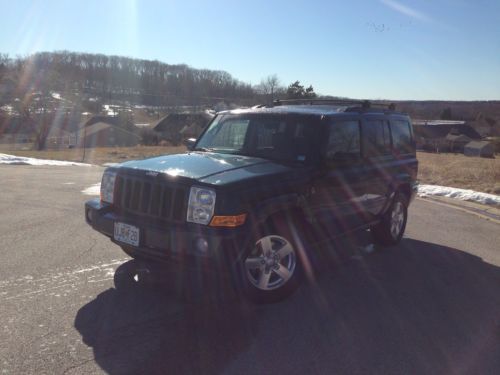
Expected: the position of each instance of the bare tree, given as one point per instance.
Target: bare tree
(269, 86)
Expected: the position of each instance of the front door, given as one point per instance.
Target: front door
(337, 197)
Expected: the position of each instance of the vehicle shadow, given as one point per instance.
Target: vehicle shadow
(415, 308)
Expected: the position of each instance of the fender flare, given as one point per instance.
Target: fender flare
(272, 206)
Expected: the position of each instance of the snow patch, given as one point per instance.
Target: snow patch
(461, 194)
(20, 160)
(93, 190)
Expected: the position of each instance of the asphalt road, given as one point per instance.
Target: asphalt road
(429, 306)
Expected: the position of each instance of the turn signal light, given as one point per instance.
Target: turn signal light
(228, 221)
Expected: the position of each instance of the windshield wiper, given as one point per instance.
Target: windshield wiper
(204, 149)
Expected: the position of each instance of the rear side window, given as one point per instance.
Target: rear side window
(376, 138)
(401, 136)
(343, 140)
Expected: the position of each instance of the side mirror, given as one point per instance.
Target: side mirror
(189, 143)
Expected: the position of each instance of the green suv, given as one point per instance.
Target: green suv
(241, 200)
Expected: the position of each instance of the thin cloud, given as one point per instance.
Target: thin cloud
(406, 10)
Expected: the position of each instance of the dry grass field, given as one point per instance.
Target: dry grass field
(460, 171)
(454, 170)
(98, 155)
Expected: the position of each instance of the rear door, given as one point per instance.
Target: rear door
(378, 159)
(403, 149)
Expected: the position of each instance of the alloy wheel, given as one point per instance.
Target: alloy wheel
(271, 263)
(397, 219)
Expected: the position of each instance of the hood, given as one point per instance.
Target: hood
(212, 168)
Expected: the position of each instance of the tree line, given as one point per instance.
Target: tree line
(138, 81)
(121, 78)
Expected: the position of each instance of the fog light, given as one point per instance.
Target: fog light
(202, 246)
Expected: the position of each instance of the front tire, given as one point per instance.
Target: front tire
(391, 228)
(271, 268)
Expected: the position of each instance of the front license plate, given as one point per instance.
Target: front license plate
(127, 234)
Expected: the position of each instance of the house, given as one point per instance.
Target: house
(480, 148)
(15, 129)
(62, 129)
(431, 134)
(456, 142)
(104, 131)
(486, 126)
(177, 126)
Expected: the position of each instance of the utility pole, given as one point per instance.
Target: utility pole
(84, 140)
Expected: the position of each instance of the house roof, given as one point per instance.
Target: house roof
(99, 126)
(174, 122)
(438, 122)
(477, 144)
(104, 119)
(111, 120)
(442, 130)
(457, 138)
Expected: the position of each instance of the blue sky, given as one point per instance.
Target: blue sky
(377, 49)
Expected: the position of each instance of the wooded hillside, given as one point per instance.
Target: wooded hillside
(117, 78)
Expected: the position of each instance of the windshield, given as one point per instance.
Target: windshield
(268, 136)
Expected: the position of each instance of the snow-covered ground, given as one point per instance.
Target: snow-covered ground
(93, 190)
(461, 194)
(20, 160)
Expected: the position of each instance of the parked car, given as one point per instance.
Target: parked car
(240, 198)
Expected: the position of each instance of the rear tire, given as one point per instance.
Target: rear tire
(390, 229)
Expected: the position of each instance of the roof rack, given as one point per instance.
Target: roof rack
(365, 104)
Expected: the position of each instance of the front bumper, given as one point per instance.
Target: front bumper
(178, 243)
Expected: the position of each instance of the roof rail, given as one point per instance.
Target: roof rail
(365, 104)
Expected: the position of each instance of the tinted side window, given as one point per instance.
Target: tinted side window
(401, 136)
(226, 134)
(376, 138)
(343, 140)
(266, 129)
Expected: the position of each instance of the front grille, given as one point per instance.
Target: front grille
(150, 198)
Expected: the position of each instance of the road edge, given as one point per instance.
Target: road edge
(485, 212)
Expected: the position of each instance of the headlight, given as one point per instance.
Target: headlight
(108, 186)
(201, 205)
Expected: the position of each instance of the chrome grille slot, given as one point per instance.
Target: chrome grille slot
(145, 197)
(155, 200)
(150, 198)
(166, 203)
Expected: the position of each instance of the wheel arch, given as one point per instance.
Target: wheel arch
(280, 206)
(404, 188)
